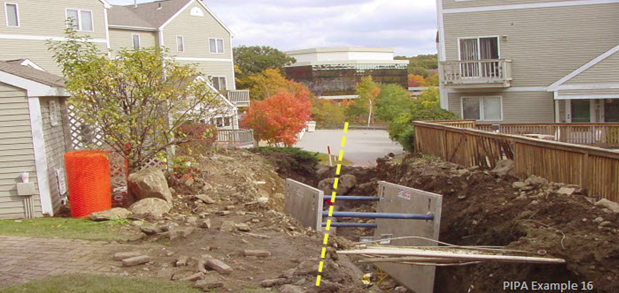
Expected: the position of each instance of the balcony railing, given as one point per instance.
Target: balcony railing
(239, 98)
(236, 137)
(477, 73)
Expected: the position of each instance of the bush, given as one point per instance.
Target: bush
(200, 138)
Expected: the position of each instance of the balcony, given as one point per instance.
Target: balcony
(239, 98)
(236, 137)
(471, 74)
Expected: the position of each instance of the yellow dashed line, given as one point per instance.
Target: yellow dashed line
(326, 239)
(320, 267)
(330, 211)
(333, 195)
(339, 168)
(343, 141)
(345, 127)
(341, 157)
(318, 281)
(324, 252)
(335, 183)
(328, 225)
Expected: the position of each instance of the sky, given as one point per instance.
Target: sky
(408, 26)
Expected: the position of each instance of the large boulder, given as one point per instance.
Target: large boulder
(345, 184)
(150, 207)
(605, 203)
(504, 168)
(111, 214)
(149, 182)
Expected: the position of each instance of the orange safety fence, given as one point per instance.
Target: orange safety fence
(89, 182)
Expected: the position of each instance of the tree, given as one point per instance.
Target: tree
(432, 80)
(327, 112)
(392, 101)
(279, 118)
(367, 91)
(270, 82)
(255, 59)
(140, 99)
(415, 80)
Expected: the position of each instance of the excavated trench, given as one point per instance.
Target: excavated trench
(480, 208)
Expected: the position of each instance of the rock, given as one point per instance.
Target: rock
(504, 168)
(518, 185)
(219, 266)
(150, 229)
(182, 261)
(279, 196)
(536, 181)
(149, 183)
(126, 255)
(242, 227)
(263, 199)
(137, 260)
(598, 220)
(322, 170)
(258, 253)
(201, 266)
(227, 226)
(345, 184)
(165, 274)
(178, 232)
(111, 214)
(605, 224)
(150, 207)
(566, 191)
(205, 224)
(207, 286)
(194, 277)
(205, 198)
(291, 289)
(605, 203)
(273, 282)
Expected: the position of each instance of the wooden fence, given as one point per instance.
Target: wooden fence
(578, 133)
(595, 169)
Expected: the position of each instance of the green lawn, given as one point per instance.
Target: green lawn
(79, 283)
(82, 283)
(324, 160)
(66, 228)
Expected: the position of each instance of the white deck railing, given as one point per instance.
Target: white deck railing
(472, 72)
(239, 98)
(236, 137)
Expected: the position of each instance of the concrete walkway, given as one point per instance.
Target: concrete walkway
(362, 148)
(24, 259)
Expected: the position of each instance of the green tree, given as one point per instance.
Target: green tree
(140, 99)
(392, 101)
(328, 113)
(255, 59)
(270, 82)
(367, 90)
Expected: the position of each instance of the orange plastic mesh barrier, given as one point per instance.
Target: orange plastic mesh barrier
(89, 181)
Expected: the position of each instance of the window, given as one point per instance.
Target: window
(219, 82)
(81, 19)
(136, 41)
(477, 49)
(53, 113)
(180, 44)
(216, 46)
(482, 108)
(12, 14)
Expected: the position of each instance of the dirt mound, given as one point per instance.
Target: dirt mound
(535, 215)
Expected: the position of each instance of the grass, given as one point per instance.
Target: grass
(81, 283)
(65, 228)
(324, 160)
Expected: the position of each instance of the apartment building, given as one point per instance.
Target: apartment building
(528, 61)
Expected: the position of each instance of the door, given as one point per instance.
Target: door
(611, 110)
(479, 49)
(581, 111)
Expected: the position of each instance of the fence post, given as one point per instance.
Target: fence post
(444, 144)
(585, 171)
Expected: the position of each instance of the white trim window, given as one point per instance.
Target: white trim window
(12, 14)
(180, 44)
(135, 41)
(82, 19)
(482, 108)
(216, 46)
(219, 82)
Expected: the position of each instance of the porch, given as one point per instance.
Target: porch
(472, 74)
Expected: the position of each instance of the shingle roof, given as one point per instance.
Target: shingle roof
(151, 15)
(30, 73)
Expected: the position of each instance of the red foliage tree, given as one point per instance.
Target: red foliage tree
(279, 118)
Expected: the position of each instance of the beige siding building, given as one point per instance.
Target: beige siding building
(34, 131)
(529, 61)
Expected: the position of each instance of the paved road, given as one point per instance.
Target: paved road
(362, 148)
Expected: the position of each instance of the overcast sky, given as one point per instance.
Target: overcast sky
(408, 26)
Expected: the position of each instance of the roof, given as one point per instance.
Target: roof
(151, 14)
(339, 49)
(30, 73)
